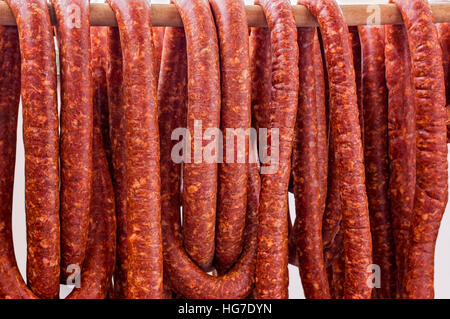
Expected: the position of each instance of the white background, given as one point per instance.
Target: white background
(442, 274)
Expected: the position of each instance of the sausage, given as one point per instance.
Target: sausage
(346, 136)
(444, 39)
(305, 168)
(231, 21)
(40, 133)
(375, 135)
(142, 163)
(114, 77)
(12, 286)
(172, 104)
(402, 143)
(272, 256)
(99, 64)
(98, 266)
(332, 217)
(76, 130)
(322, 130)
(203, 115)
(157, 39)
(186, 278)
(431, 185)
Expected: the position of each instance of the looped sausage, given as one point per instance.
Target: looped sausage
(203, 116)
(231, 20)
(172, 104)
(375, 136)
(12, 285)
(99, 264)
(272, 257)
(431, 186)
(114, 77)
(402, 143)
(40, 134)
(76, 130)
(347, 146)
(144, 275)
(305, 167)
(186, 278)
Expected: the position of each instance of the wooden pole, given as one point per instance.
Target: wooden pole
(167, 15)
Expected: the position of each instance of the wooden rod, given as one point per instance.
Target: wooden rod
(167, 15)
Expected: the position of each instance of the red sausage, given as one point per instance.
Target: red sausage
(431, 187)
(272, 258)
(322, 130)
(98, 266)
(172, 104)
(402, 143)
(40, 133)
(186, 278)
(144, 274)
(347, 144)
(375, 135)
(231, 20)
(76, 130)
(116, 115)
(200, 171)
(305, 167)
(12, 285)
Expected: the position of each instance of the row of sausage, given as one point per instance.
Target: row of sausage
(362, 144)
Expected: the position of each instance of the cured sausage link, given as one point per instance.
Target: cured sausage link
(272, 257)
(76, 130)
(114, 76)
(402, 143)
(172, 104)
(375, 135)
(12, 285)
(143, 203)
(98, 267)
(305, 167)
(346, 140)
(40, 134)
(200, 170)
(322, 130)
(431, 186)
(333, 216)
(231, 20)
(186, 278)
